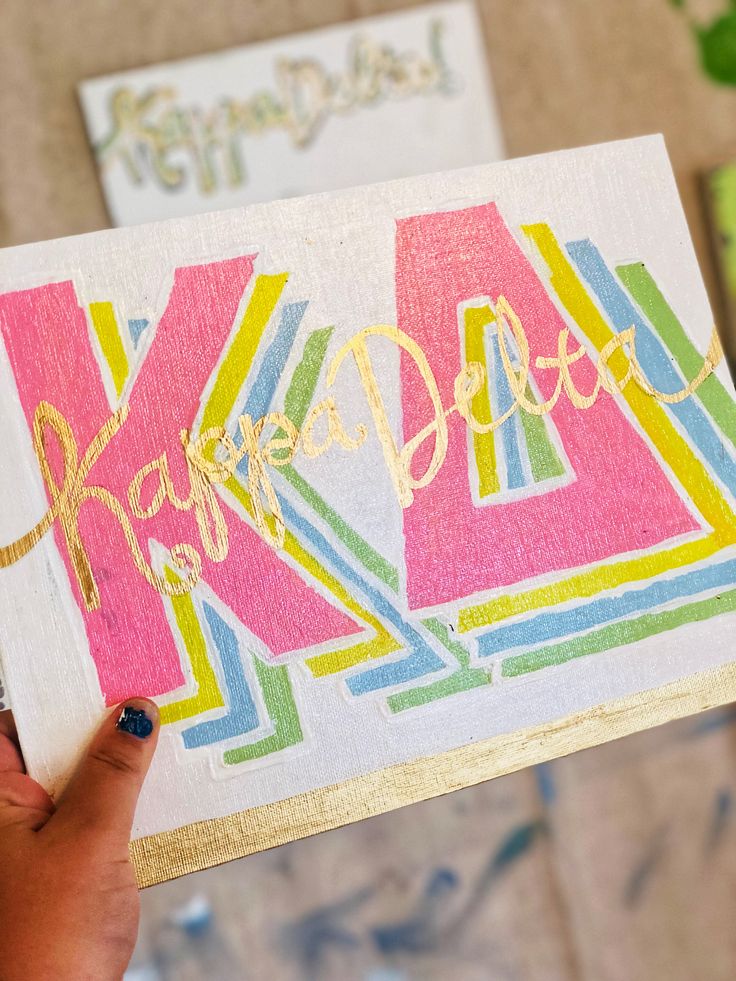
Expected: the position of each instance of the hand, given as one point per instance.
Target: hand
(68, 898)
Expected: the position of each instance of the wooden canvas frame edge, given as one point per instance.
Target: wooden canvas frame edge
(193, 847)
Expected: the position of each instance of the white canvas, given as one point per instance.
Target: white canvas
(343, 253)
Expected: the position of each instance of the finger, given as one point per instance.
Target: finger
(103, 793)
(10, 754)
(7, 725)
(23, 802)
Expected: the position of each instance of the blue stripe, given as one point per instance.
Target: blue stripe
(274, 361)
(242, 714)
(562, 623)
(502, 399)
(136, 328)
(421, 660)
(653, 358)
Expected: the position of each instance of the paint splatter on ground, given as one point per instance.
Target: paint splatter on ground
(645, 868)
(723, 814)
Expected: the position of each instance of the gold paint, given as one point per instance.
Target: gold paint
(68, 498)
(397, 461)
(158, 858)
(336, 432)
(205, 468)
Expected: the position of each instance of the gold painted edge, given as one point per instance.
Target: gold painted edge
(193, 847)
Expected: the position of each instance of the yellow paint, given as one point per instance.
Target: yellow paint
(208, 694)
(674, 449)
(111, 343)
(484, 444)
(586, 584)
(239, 359)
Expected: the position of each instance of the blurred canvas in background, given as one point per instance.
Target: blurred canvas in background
(380, 98)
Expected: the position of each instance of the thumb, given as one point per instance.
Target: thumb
(103, 793)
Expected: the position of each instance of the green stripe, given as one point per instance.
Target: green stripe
(354, 542)
(462, 680)
(543, 457)
(297, 400)
(618, 634)
(712, 393)
(303, 382)
(282, 711)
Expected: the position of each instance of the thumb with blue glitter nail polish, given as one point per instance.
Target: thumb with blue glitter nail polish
(69, 901)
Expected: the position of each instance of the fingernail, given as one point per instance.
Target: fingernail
(136, 722)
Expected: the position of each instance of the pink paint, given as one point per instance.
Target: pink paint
(621, 500)
(46, 336)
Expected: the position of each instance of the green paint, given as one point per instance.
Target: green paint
(722, 188)
(354, 542)
(543, 457)
(282, 711)
(618, 634)
(462, 680)
(303, 382)
(712, 393)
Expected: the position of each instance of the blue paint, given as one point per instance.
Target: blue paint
(723, 812)
(385, 974)
(516, 844)
(310, 938)
(563, 623)
(546, 782)
(421, 660)
(195, 917)
(274, 361)
(653, 358)
(712, 722)
(645, 869)
(419, 933)
(242, 714)
(136, 328)
(509, 430)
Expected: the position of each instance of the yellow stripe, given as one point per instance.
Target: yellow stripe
(380, 645)
(674, 449)
(238, 361)
(484, 444)
(111, 343)
(208, 694)
(585, 584)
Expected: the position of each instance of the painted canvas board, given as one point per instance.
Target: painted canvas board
(391, 96)
(379, 493)
(719, 189)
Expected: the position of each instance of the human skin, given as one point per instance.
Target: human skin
(69, 903)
